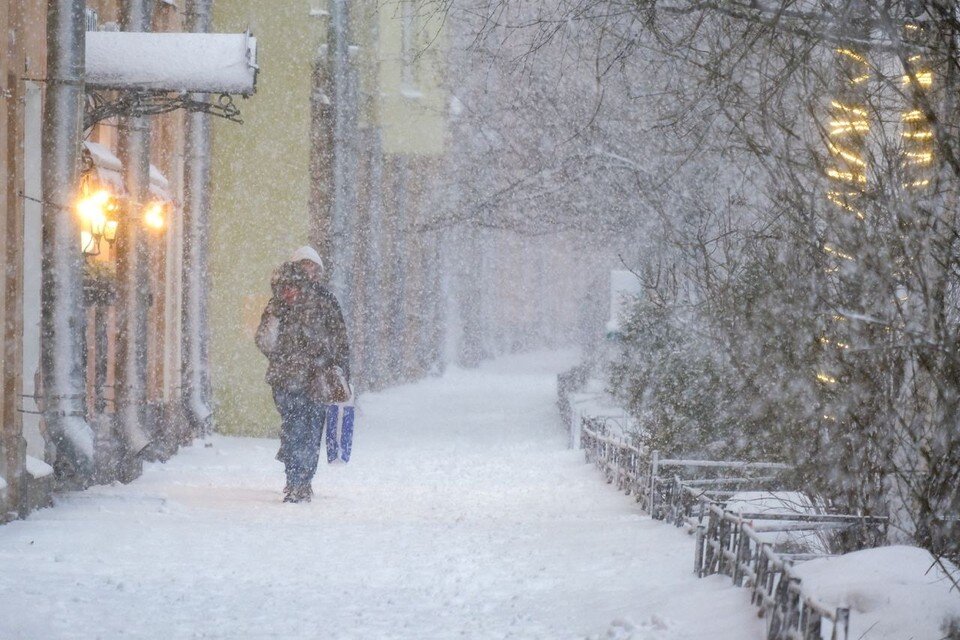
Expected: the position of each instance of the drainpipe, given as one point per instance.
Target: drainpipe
(338, 54)
(132, 266)
(64, 388)
(196, 212)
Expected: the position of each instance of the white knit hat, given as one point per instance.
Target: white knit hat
(307, 252)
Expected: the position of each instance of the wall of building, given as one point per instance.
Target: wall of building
(262, 188)
(260, 197)
(22, 72)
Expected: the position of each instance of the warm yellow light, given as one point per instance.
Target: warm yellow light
(853, 55)
(916, 184)
(153, 216)
(918, 135)
(92, 208)
(920, 157)
(847, 176)
(849, 126)
(924, 78)
(826, 340)
(860, 79)
(837, 252)
(110, 231)
(96, 210)
(849, 109)
(913, 116)
(824, 378)
(839, 198)
(846, 155)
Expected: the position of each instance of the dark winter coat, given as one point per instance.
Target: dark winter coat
(303, 338)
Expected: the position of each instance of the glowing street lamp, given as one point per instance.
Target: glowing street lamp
(154, 216)
(97, 210)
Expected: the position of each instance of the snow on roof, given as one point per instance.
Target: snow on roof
(106, 165)
(893, 592)
(38, 468)
(102, 156)
(203, 62)
(110, 170)
(159, 185)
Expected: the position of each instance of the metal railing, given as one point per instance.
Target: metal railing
(653, 480)
(736, 544)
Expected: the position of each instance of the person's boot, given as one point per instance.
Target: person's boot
(298, 493)
(306, 493)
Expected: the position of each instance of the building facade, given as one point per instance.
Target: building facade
(29, 462)
(263, 190)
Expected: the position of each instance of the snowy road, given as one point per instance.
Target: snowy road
(461, 515)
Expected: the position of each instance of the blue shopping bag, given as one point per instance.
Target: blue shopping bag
(339, 431)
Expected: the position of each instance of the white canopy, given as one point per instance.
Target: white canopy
(106, 165)
(191, 62)
(109, 170)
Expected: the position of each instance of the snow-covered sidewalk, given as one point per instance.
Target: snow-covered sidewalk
(462, 515)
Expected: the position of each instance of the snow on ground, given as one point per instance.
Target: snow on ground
(894, 593)
(462, 514)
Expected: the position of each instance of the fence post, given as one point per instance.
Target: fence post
(841, 624)
(812, 624)
(698, 555)
(741, 550)
(654, 469)
(722, 544)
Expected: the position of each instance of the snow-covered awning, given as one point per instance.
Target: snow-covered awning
(106, 166)
(172, 62)
(159, 185)
(109, 170)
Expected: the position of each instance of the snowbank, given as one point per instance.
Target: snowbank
(38, 468)
(894, 593)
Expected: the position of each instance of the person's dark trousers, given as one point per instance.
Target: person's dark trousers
(299, 435)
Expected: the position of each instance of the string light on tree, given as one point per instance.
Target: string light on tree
(916, 132)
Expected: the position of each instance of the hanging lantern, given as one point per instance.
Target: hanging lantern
(97, 210)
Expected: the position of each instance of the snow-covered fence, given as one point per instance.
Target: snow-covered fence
(712, 498)
(567, 383)
(582, 398)
(622, 462)
(758, 550)
(656, 482)
(673, 496)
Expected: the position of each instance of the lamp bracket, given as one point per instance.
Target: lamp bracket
(101, 106)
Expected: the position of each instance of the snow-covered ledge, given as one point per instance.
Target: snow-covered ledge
(172, 62)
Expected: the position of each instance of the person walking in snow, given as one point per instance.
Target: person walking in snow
(303, 334)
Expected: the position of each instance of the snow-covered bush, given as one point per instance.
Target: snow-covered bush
(677, 388)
